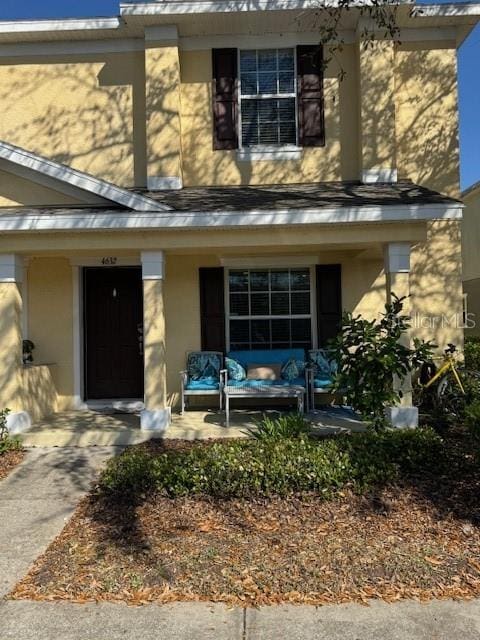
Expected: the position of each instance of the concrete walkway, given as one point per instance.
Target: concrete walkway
(200, 621)
(37, 499)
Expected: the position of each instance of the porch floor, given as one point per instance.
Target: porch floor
(92, 428)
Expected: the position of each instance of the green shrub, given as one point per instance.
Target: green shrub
(369, 354)
(7, 442)
(292, 425)
(247, 468)
(472, 418)
(472, 353)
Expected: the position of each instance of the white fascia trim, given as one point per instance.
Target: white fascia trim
(118, 220)
(68, 24)
(447, 10)
(71, 47)
(11, 268)
(85, 181)
(178, 7)
(161, 33)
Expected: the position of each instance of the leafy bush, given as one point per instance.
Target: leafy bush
(472, 353)
(244, 468)
(7, 443)
(370, 354)
(291, 425)
(472, 418)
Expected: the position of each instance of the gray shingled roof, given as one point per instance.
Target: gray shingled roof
(297, 196)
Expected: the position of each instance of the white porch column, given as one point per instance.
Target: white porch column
(397, 271)
(11, 389)
(156, 415)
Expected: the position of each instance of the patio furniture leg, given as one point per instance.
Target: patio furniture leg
(182, 411)
(300, 403)
(227, 410)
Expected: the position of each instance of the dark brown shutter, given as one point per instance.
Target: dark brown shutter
(311, 118)
(212, 308)
(224, 63)
(329, 301)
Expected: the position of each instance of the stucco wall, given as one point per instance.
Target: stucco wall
(471, 257)
(78, 110)
(50, 321)
(426, 115)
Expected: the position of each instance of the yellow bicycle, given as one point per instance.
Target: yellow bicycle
(450, 387)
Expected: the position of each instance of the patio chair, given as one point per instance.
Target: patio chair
(321, 369)
(202, 377)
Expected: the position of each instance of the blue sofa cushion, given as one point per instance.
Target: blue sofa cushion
(202, 365)
(290, 370)
(235, 369)
(203, 384)
(322, 383)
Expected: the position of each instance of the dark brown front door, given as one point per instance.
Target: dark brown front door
(113, 332)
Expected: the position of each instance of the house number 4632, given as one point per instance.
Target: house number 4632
(109, 260)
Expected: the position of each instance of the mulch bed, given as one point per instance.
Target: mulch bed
(9, 460)
(419, 539)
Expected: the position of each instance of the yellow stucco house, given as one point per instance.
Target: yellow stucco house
(155, 166)
(471, 258)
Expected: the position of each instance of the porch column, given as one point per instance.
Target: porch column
(156, 415)
(11, 276)
(377, 111)
(397, 271)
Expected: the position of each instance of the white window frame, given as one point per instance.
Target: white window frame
(313, 300)
(261, 152)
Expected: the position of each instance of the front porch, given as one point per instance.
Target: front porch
(113, 309)
(99, 428)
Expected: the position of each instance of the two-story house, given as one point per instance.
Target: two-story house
(188, 175)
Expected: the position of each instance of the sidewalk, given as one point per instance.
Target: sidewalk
(37, 499)
(200, 621)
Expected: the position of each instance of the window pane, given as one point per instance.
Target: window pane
(248, 84)
(301, 330)
(285, 60)
(260, 331)
(281, 331)
(259, 280)
(240, 331)
(248, 61)
(260, 304)
(286, 109)
(300, 280)
(267, 83)
(286, 83)
(249, 134)
(268, 133)
(280, 280)
(267, 110)
(238, 280)
(288, 133)
(239, 304)
(249, 110)
(301, 303)
(280, 304)
(267, 60)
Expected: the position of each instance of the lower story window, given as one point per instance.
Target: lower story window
(269, 308)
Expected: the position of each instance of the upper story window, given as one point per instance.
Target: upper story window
(267, 98)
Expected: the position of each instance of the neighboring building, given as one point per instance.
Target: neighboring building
(471, 258)
(194, 155)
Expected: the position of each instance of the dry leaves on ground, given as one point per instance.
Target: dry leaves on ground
(9, 460)
(418, 539)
